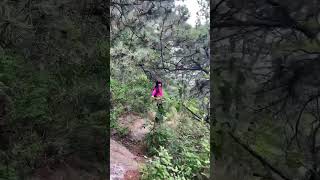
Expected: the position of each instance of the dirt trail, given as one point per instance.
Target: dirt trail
(127, 154)
(121, 161)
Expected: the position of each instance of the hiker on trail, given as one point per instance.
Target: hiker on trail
(157, 94)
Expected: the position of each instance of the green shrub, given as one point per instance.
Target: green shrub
(180, 154)
(161, 136)
(160, 167)
(133, 96)
(190, 165)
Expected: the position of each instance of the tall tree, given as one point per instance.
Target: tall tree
(154, 36)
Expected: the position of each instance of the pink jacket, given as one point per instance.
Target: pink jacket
(160, 93)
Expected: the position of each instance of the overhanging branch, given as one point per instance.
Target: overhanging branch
(258, 157)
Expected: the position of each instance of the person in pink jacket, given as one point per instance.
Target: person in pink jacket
(157, 93)
(157, 90)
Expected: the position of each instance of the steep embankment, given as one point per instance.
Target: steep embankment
(127, 153)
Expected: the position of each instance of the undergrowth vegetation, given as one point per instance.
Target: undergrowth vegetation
(133, 96)
(182, 153)
(49, 115)
(179, 147)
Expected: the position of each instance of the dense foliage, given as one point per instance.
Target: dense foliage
(180, 154)
(53, 94)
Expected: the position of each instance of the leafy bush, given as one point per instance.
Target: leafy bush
(180, 154)
(161, 136)
(160, 167)
(189, 166)
(133, 96)
(171, 101)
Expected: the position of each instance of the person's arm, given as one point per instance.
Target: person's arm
(153, 93)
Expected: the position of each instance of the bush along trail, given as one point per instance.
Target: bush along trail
(153, 140)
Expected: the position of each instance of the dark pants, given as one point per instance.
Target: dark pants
(160, 113)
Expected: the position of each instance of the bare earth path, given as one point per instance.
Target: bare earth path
(127, 154)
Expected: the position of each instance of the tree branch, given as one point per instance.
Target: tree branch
(197, 117)
(257, 156)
